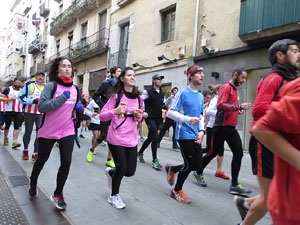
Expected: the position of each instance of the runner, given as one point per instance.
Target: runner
(211, 112)
(92, 111)
(29, 97)
(124, 109)
(58, 101)
(101, 97)
(225, 130)
(285, 59)
(3, 99)
(13, 112)
(278, 130)
(168, 122)
(153, 98)
(187, 110)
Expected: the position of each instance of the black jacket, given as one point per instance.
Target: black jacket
(101, 95)
(153, 105)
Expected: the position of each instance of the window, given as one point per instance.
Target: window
(70, 37)
(168, 24)
(57, 46)
(61, 6)
(83, 34)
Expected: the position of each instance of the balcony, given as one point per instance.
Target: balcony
(77, 10)
(37, 45)
(44, 9)
(93, 45)
(122, 3)
(262, 20)
(118, 58)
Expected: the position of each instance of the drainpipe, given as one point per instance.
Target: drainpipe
(196, 29)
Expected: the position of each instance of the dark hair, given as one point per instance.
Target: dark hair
(239, 71)
(17, 78)
(174, 89)
(118, 88)
(280, 45)
(54, 68)
(207, 92)
(113, 70)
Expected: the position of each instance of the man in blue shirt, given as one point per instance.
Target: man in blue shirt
(187, 110)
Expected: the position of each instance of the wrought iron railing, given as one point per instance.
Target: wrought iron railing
(98, 40)
(69, 13)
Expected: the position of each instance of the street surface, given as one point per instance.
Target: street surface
(146, 194)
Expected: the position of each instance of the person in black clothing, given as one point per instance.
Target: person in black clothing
(169, 122)
(154, 100)
(101, 96)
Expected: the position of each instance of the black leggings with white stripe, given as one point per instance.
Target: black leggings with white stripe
(192, 157)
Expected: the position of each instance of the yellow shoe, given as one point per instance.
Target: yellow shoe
(110, 163)
(89, 156)
(5, 143)
(16, 144)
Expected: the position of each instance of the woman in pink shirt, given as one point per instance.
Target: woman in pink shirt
(124, 109)
(58, 101)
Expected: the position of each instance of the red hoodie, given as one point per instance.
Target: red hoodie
(284, 117)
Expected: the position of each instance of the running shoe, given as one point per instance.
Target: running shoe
(156, 165)
(34, 157)
(33, 191)
(239, 202)
(25, 155)
(175, 147)
(109, 178)
(59, 201)
(116, 201)
(141, 158)
(142, 139)
(89, 156)
(170, 175)
(5, 142)
(239, 190)
(81, 135)
(110, 163)
(180, 196)
(200, 179)
(15, 144)
(221, 174)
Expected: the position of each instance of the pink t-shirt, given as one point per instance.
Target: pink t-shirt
(126, 134)
(58, 123)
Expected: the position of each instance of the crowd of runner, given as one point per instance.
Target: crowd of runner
(117, 110)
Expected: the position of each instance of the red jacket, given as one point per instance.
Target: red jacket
(266, 92)
(228, 106)
(284, 117)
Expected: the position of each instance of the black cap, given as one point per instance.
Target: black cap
(155, 76)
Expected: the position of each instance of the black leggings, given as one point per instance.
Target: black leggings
(192, 156)
(209, 135)
(66, 145)
(153, 125)
(232, 137)
(125, 160)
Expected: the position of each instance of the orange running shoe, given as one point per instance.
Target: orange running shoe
(170, 174)
(221, 174)
(180, 196)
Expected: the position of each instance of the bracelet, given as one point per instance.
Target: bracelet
(203, 131)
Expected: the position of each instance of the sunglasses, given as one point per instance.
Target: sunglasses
(157, 79)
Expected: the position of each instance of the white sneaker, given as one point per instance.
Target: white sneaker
(109, 178)
(116, 201)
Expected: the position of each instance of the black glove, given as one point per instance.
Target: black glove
(35, 101)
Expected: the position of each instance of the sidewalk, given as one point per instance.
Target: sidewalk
(16, 207)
